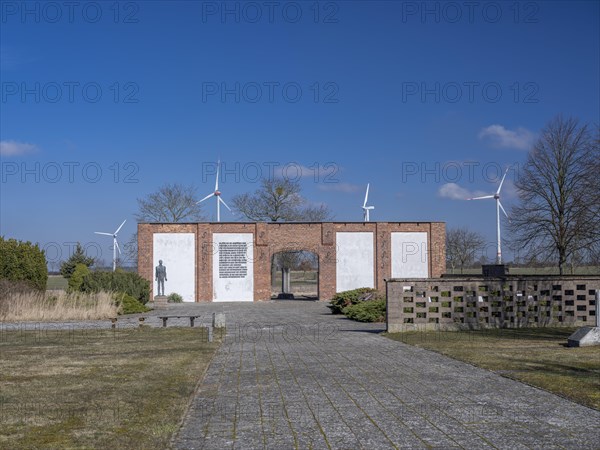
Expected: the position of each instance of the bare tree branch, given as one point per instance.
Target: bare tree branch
(171, 203)
(461, 246)
(559, 192)
(279, 199)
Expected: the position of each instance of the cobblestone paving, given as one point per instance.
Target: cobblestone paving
(291, 375)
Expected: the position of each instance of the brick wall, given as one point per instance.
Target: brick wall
(274, 237)
(455, 303)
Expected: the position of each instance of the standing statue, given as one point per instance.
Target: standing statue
(161, 277)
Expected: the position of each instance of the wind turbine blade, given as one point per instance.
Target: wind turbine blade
(217, 180)
(206, 198)
(480, 198)
(502, 208)
(223, 201)
(100, 232)
(502, 181)
(121, 226)
(366, 196)
(117, 245)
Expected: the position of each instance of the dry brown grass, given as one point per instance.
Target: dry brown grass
(123, 388)
(56, 305)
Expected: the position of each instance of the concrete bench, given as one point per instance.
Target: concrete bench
(209, 329)
(165, 318)
(114, 320)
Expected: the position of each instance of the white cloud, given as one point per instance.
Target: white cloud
(347, 188)
(14, 148)
(455, 192)
(499, 136)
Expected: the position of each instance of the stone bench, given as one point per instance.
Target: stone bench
(209, 329)
(114, 320)
(165, 318)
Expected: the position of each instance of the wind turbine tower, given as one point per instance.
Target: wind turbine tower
(499, 207)
(115, 243)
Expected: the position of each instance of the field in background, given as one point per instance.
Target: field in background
(57, 282)
(304, 283)
(125, 389)
(537, 356)
(584, 270)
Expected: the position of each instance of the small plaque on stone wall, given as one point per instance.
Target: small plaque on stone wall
(327, 234)
(262, 234)
(233, 261)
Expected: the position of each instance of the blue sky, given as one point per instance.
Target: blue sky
(428, 102)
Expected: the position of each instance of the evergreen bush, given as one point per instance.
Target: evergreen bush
(23, 262)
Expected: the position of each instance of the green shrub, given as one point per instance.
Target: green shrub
(369, 311)
(23, 262)
(175, 298)
(347, 298)
(129, 283)
(129, 305)
(81, 270)
(78, 257)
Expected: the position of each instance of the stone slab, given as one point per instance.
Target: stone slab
(585, 336)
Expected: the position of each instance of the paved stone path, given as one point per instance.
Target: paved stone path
(291, 375)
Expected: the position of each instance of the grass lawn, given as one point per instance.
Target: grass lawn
(97, 388)
(537, 356)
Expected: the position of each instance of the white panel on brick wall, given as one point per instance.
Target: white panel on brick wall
(178, 254)
(233, 268)
(354, 267)
(409, 255)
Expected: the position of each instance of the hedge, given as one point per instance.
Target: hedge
(23, 262)
(129, 283)
(346, 298)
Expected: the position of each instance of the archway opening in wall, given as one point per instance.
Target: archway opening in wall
(295, 275)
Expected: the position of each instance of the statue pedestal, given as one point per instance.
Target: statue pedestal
(160, 302)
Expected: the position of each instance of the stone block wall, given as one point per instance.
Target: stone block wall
(514, 301)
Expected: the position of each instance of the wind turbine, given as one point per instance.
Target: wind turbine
(217, 194)
(115, 244)
(499, 207)
(365, 207)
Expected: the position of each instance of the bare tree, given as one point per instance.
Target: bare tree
(130, 250)
(171, 203)
(462, 246)
(316, 213)
(559, 189)
(279, 199)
